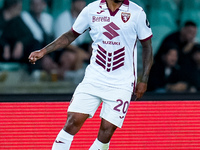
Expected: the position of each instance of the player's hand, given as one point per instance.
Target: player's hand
(140, 90)
(36, 55)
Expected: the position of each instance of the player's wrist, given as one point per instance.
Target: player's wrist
(144, 79)
(43, 51)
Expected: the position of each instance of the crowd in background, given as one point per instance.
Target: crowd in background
(22, 32)
(176, 65)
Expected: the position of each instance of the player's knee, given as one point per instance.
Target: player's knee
(107, 126)
(106, 131)
(74, 123)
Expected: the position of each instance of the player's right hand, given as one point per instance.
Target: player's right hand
(140, 90)
(36, 55)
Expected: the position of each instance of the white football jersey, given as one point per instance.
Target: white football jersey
(114, 34)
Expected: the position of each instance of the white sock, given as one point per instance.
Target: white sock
(97, 145)
(63, 141)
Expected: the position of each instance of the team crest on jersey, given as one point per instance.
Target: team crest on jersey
(125, 16)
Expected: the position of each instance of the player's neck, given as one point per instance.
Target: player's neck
(114, 4)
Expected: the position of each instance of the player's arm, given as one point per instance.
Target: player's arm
(147, 57)
(61, 42)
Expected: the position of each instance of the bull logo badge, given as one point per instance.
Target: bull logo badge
(125, 16)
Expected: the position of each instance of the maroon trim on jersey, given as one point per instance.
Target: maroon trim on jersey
(147, 38)
(76, 33)
(113, 13)
(103, 1)
(103, 5)
(126, 2)
(134, 88)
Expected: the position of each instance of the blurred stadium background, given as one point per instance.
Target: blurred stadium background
(165, 16)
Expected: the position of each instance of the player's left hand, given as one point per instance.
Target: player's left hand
(140, 90)
(36, 55)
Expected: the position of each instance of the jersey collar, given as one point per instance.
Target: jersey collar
(123, 7)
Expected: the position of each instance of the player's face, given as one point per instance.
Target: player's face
(171, 58)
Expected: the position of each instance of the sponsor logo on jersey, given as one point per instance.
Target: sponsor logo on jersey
(111, 43)
(111, 30)
(100, 19)
(100, 12)
(110, 61)
(125, 16)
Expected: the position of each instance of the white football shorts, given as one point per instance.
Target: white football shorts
(87, 98)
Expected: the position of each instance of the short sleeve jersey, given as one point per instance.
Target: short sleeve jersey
(114, 34)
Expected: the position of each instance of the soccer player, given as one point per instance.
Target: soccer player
(115, 26)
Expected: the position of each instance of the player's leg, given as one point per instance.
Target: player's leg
(73, 124)
(106, 131)
(83, 105)
(115, 106)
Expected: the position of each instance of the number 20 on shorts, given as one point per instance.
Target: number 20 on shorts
(122, 106)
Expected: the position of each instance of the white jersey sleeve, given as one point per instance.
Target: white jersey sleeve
(82, 22)
(143, 27)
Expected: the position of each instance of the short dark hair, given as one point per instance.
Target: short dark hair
(9, 3)
(168, 46)
(190, 23)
